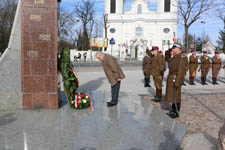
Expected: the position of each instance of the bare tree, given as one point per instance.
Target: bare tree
(221, 11)
(66, 22)
(85, 12)
(221, 15)
(7, 14)
(106, 24)
(92, 22)
(190, 11)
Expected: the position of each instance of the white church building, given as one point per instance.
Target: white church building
(135, 30)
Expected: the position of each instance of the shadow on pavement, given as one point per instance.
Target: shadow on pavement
(7, 119)
(91, 85)
(211, 139)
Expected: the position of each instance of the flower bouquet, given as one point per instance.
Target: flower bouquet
(82, 101)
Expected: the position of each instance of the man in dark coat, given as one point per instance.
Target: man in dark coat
(146, 67)
(175, 78)
(205, 66)
(113, 73)
(193, 66)
(158, 68)
(216, 65)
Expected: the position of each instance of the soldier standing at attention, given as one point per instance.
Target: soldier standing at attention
(157, 72)
(193, 66)
(168, 56)
(205, 66)
(184, 55)
(216, 65)
(174, 81)
(146, 67)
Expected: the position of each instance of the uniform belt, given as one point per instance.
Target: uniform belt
(193, 63)
(172, 73)
(216, 63)
(155, 67)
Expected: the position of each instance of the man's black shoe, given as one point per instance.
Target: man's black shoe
(174, 115)
(109, 104)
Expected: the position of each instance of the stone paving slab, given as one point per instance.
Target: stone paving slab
(202, 107)
(132, 125)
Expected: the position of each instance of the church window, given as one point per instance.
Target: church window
(112, 30)
(166, 5)
(113, 6)
(166, 30)
(139, 9)
(139, 31)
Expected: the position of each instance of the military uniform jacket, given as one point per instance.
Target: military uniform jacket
(112, 69)
(186, 62)
(177, 69)
(216, 62)
(193, 63)
(205, 63)
(147, 65)
(158, 66)
(216, 65)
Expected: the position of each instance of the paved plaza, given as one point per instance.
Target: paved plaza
(135, 124)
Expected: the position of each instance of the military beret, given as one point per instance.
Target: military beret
(192, 50)
(160, 52)
(204, 51)
(216, 52)
(155, 48)
(170, 49)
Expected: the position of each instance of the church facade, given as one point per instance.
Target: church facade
(135, 30)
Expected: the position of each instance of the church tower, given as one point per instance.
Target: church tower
(114, 6)
(167, 6)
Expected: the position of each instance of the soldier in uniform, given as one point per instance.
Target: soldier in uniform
(157, 72)
(146, 67)
(174, 81)
(193, 66)
(216, 65)
(184, 55)
(205, 66)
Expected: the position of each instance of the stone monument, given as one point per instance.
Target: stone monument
(29, 65)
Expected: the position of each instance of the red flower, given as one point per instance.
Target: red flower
(81, 96)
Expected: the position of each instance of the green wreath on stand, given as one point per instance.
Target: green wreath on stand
(71, 84)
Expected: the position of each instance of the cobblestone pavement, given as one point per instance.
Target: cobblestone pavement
(202, 113)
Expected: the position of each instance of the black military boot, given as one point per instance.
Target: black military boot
(145, 82)
(147, 79)
(205, 81)
(175, 113)
(213, 81)
(173, 109)
(157, 97)
(216, 81)
(202, 80)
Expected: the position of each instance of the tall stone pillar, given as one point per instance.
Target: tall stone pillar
(39, 54)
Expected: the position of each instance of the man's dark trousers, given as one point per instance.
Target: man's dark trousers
(115, 92)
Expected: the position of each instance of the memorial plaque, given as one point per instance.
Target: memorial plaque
(35, 18)
(39, 49)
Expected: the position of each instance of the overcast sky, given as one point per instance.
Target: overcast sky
(211, 27)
